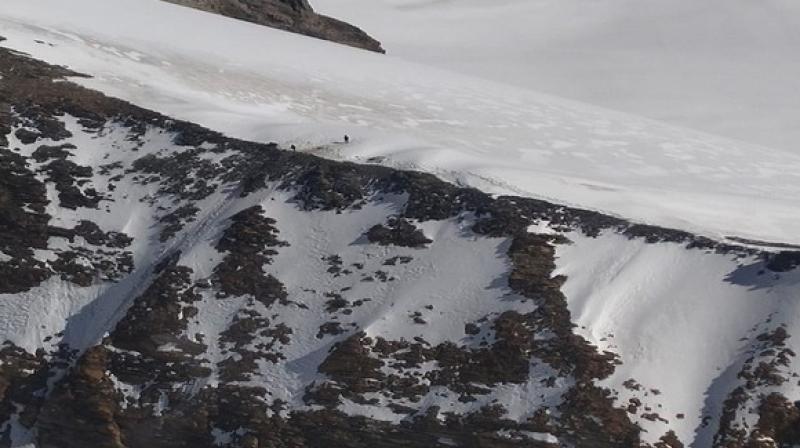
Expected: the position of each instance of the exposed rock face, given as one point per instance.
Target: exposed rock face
(398, 232)
(296, 16)
(82, 410)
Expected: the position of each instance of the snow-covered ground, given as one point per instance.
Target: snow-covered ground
(262, 84)
(728, 67)
(681, 320)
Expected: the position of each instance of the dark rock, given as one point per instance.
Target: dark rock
(45, 152)
(26, 136)
(249, 242)
(783, 261)
(83, 408)
(296, 16)
(397, 232)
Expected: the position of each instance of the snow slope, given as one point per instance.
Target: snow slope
(728, 67)
(681, 321)
(251, 81)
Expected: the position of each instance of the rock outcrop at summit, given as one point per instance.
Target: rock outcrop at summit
(296, 16)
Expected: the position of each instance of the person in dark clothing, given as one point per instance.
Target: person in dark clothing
(346, 138)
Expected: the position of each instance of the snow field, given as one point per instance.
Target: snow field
(248, 81)
(680, 320)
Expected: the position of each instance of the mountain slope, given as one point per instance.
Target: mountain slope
(165, 285)
(495, 137)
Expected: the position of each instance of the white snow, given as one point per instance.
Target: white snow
(522, 435)
(19, 435)
(728, 67)
(676, 317)
(462, 276)
(84, 314)
(252, 82)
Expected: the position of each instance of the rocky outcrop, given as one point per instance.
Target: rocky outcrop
(249, 243)
(82, 410)
(398, 232)
(296, 16)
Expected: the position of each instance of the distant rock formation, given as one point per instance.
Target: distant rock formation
(296, 16)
